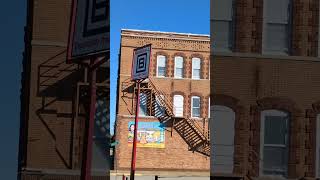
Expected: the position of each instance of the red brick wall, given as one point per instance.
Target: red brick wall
(175, 155)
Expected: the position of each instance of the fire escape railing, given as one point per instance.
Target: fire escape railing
(193, 134)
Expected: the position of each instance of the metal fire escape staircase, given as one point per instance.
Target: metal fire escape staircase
(193, 134)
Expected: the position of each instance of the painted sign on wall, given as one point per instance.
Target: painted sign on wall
(150, 134)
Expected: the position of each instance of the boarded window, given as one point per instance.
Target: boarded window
(222, 139)
(178, 105)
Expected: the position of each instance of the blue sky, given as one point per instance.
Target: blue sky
(184, 16)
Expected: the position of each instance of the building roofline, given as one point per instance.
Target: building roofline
(164, 32)
(165, 35)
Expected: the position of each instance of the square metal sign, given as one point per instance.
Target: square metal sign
(89, 33)
(141, 62)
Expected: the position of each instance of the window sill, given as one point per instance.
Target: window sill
(196, 118)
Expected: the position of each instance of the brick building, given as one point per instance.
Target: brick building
(54, 100)
(176, 95)
(265, 90)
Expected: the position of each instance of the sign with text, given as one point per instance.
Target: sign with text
(141, 62)
(89, 29)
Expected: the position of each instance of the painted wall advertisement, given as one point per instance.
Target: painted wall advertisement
(150, 134)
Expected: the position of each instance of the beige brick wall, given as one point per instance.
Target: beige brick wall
(261, 83)
(54, 135)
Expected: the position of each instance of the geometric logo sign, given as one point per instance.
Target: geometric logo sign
(141, 62)
(89, 29)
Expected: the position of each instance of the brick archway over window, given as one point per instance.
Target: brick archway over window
(240, 140)
(281, 104)
(224, 100)
(311, 138)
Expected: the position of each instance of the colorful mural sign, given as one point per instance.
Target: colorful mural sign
(150, 134)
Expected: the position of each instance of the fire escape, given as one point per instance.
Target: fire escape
(161, 107)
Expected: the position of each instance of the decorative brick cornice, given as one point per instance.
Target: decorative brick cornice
(167, 44)
(178, 93)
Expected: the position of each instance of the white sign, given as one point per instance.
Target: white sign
(141, 62)
(89, 29)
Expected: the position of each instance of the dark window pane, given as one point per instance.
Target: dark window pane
(275, 160)
(275, 130)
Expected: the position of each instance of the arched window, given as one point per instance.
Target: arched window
(161, 66)
(196, 68)
(274, 137)
(143, 104)
(178, 105)
(178, 67)
(209, 107)
(222, 139)
(195, 106)
(318, 147)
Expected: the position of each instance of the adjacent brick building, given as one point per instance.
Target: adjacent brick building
(265, 84)
(54, 100)
(179, 77)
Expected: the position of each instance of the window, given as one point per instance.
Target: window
(178, 105)
(222, 133)
(195, 109)
(209, 108)
(178, 67)
(318, 147)
(222, 25)
(276, 31)
(209, 71)
(161, 66)
(159, 109)
(196, 68)
(274, 143)
(143, 104)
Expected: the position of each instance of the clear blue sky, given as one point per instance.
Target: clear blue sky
(185, 16)
(12, 21)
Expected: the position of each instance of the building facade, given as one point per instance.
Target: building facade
(264, 88)
(55, 101)
(174, 101)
